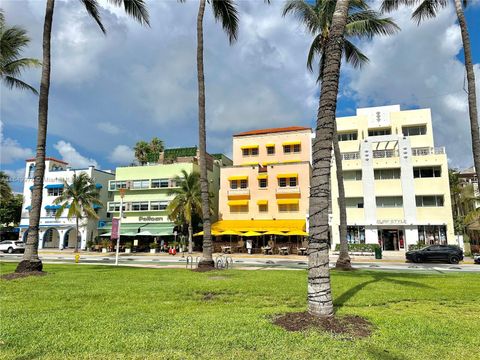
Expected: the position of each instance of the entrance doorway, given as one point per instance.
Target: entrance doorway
(391, 239)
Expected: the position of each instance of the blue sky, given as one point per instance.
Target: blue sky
(135, 83)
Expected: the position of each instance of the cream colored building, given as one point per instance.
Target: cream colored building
(396, 180)
(267, 188)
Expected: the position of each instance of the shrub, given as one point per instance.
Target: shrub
(360, 247)
(128, 245)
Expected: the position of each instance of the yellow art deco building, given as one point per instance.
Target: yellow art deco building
(396, 181)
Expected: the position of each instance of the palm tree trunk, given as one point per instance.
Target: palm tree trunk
(319, 289)
(472, 97)
(77, 233)
(343, 261)
(207, 260)
(190, 237)
(30, 261)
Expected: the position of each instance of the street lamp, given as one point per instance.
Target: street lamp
(122, 194)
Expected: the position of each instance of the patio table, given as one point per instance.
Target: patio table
(226, 249)
(302, 251)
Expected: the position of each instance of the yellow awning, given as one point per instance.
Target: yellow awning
(265, 163)
(270, 145)
(237, 202)
(249, 147)
(250, 163)
(292, 161)
(260, 225)
(287, 201)
(240, 177)
(262, 176)
(262, 202)
(291, 143)
(292, 175)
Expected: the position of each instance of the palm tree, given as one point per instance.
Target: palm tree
(134, 8)
(226, 12)
(79, 198)
(141, 150)
(187, 201)
(429, 9)
(5, 189)
(362, 22)
(12, 41)
(155, 148)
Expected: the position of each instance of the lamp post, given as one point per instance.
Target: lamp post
(117, 252)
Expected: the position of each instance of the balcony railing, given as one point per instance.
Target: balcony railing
(424, 151)
(238, 192)
(288, 190)
(379, 154)
(351, 155)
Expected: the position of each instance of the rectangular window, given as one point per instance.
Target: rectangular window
(115, 185)
(427, 172)
(432, 234)
(239, 208)
(288, 207)
(158, 205)
(352, 175)
(262, 183)
(287, 149)
(245, 152)
(414, 130)
(160, 183)
(282, 182)
(429, 200)
(379, 132)
(270, 150)
(140, 184)
(389, 201)
(233, 184)
(140, 206)
(250, 151)
(292, 182)
(254, 152)
(263, 208)
(356, 234)
(55, 192)
(115, 206)
(348, 136)
(387, 174)
(296, 148)
(243, 184)
(354, 202)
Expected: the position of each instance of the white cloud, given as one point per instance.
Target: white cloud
(109, 128)
(122, 155)
(72, 156)
(11, 150)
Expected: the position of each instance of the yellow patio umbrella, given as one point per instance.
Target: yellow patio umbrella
(251, 233)
(274, 232)
(213, 232)
(230, 232)
(297, 233)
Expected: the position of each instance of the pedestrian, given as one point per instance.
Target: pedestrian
(249, 246)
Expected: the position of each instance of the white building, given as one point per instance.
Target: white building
(60, 233)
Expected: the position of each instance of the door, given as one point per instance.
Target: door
(434, 253)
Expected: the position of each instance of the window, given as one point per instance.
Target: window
(356, 202)
(356, 234)
(288, 207)
(245, 152)
(158, 205)
(414, 130)
(429, 200)
(140, 184)
(263, 208)
(31, 171)
(115, 185)
(291, 148)
(270, 150)
(432, 234)
(284, 182)
(253, 151)
(140, 206)
(233, 184)
(239, 208)
(55, 192)
(352, 175)
(243, 184)
(262, 183)
(427, 172)
(348, 136)
(287, 149)
(50, 212)
(160, 183)
(379, 132)
(115, 206)
(296, 148)
(389, 201)
(387, 174)
(292, 182)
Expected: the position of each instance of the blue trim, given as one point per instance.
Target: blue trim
(31, 187)
(52, 207)
(29, 207)
(95, 206)
(98, 186)
(54, 186)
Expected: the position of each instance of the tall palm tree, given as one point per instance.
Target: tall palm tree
(12, 42)
(226, 12)
(79, 198)
(141, 150)
(429, 9)
(5, 189)
(362, 22)
(187, 201)
(134, 8)
(156, 147)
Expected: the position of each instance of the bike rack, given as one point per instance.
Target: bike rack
(223, 262)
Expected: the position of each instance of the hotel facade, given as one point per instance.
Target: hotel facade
(396, 181)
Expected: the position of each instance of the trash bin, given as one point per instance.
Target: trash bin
(378, 253)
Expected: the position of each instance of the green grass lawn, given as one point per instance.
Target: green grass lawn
(80, 312)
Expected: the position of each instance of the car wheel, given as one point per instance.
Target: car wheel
(453, 260)
(416, 259)
(10, 250)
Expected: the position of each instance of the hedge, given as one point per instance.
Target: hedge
(360, 247)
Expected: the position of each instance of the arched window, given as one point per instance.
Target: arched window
(31, 171)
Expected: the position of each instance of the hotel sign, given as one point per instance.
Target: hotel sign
(392, 222)
(150, 219)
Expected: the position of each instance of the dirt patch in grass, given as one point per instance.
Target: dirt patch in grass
(209, 296)
(203, 269)
(15, 275)
(218, 277)
(353, 326)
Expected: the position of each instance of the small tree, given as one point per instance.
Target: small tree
(141, 152)
(79, 198)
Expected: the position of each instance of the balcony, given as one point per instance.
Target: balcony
(424, 151)
(381, 154)
(351, 155)
(288, 190)
(238, 192)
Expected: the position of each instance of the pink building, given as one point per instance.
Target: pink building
(267, 188)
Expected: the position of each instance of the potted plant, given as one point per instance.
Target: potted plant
(105, 244)
(90, 244)
(153, 247)
(128, 247)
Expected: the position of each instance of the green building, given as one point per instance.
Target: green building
(146, 198)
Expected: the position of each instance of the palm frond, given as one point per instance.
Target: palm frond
(369, 23)
(393, 5)
(136, 9)
(304, 12)
(353, 55)
(428, 9)
(316, 49)
(12, 82)
(16, 66)
(226, 11)
(92, 8)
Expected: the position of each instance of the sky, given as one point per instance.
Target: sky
(108, 92)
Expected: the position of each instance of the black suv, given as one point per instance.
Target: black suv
(450, 253)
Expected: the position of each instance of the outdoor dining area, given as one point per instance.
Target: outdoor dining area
(266, 237)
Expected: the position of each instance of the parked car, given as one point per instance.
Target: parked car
(12, 246)
(449, 253)
(476, 259)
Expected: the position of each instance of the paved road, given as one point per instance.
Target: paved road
(243, 262)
